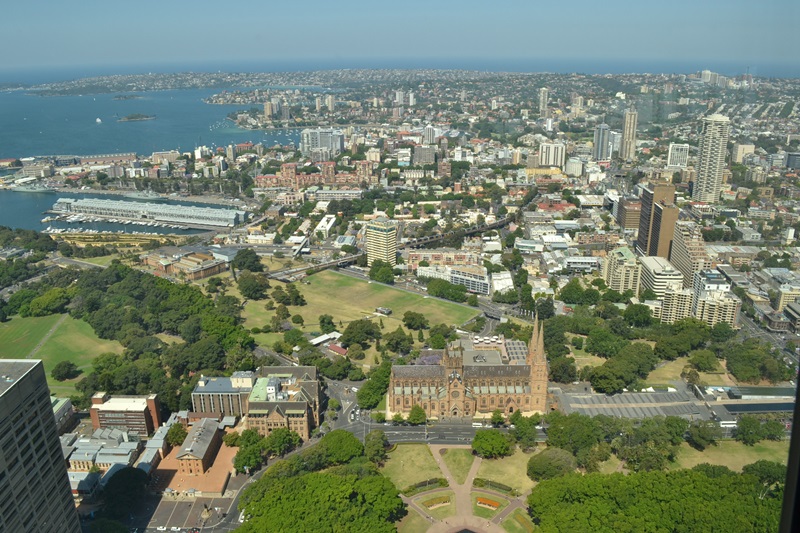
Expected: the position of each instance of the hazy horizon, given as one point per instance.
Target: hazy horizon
(158, 36)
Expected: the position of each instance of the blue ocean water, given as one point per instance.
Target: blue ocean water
(67, 125)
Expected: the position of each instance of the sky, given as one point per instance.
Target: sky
(142, 35)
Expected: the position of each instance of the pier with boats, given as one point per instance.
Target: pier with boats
(146, 214)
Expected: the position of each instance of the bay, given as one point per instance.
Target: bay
(33, 125)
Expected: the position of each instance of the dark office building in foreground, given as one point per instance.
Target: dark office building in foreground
(35, 494)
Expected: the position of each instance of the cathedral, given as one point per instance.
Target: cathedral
(475, 377)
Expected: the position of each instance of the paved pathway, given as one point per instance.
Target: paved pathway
(464, 517)
(47, 336)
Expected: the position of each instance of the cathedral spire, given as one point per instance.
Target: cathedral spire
(540, 342)
(532, 345)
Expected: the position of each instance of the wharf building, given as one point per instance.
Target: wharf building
(144, 211)
(35, 494)
(475, 377)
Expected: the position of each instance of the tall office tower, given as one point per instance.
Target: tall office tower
(552, 155)
(330, 103)
(543, 95)
(629, 213)
(381, 241)
(621, 270)
(269, 112)
(399, 97)
(628, 150)
(711, 158)
(35, 494)
(412, 99)
(662, 230)
(429, 135)
(657, 220)
(318, 103)
(660, 276)
(576, 101)
(688, 250)
(678, 156)
(602, 142)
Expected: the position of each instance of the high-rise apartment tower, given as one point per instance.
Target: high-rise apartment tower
(628, 149)
(711, 158)
(381, 241)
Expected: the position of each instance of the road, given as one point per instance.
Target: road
(776, 340)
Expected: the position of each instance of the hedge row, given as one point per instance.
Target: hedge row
(481, 482)
(425, 485)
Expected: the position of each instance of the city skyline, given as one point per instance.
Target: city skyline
(150, 35)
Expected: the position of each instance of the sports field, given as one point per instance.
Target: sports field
(53, 339)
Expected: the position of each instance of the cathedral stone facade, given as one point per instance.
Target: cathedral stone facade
(475, 380)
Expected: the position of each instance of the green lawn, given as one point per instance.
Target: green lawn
(347, 299)
(413, 523)
(409, 464)
(511, 471)
(440, 512)
(513, 522)
(102, 261)
(73, 340)
(19, 336)
(732, 454)
(610, 466)
(382, 404)
(671, 371)
(485, 512)
(458, 461)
